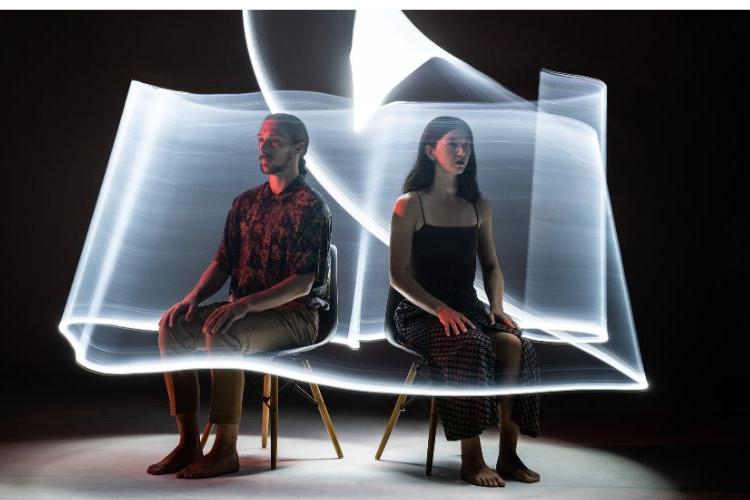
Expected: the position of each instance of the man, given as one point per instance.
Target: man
(276, 251)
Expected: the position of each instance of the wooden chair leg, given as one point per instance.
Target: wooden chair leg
(274, 419)
(206, 432)
(264, 410)
(324, 412)
(396, 411)
(431, 437)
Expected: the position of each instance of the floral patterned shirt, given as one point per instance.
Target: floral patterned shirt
(269, 237)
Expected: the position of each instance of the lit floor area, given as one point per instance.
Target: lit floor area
(63, 448)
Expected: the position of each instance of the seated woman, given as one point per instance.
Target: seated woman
(438, 227)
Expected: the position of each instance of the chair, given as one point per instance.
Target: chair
(327, 324)
(401, 402)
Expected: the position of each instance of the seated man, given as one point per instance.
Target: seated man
(276, 250)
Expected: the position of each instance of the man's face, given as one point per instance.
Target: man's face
(275, 149)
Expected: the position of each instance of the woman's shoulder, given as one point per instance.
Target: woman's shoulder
(407, 205)
(409, 199)
(483, 208)
(482, 203)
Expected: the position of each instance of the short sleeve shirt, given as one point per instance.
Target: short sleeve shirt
(269, 237)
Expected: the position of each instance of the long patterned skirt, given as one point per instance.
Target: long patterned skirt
(468, 360)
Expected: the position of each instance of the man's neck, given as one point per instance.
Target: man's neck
(279, 181)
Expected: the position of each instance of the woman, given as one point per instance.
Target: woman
(439, 226)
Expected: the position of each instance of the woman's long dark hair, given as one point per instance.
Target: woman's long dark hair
(296, 130)
(422, 174)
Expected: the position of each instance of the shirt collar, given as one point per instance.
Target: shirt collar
(293, 186)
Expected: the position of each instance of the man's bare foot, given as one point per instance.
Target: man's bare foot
(513, 467)
(181, 456)
(479, 474)
(211, 465)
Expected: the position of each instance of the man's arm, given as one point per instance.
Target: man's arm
(210, 282)
(295, 286)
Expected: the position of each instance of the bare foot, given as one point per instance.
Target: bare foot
(181, 456)
(479, 474)
(211, 465)
(513, 467)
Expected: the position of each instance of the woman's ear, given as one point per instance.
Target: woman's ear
(429, 151)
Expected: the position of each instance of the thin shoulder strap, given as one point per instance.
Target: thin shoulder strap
(424, 219)
(475, 212)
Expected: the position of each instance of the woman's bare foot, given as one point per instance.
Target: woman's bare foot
(480, 474)
(513, 467)
(182, 456)
(213, 464)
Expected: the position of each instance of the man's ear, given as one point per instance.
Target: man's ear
(301, 148)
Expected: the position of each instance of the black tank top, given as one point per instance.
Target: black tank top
(444, 257)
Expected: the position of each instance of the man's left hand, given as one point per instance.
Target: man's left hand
(223, 317)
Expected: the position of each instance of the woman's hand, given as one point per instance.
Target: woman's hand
(501, 316)
(172, 314)
(224, 316)
(453, 320)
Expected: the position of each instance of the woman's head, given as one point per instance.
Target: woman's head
(448, 144)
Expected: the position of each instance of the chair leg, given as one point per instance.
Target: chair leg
(206, 432)
(264, 410)
(431, 437)
(324, 413)
(274, 419)
(396, 411)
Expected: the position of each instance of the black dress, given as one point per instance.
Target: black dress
(444, 261)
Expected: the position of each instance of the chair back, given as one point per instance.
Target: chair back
(389, 324)
(328, 320)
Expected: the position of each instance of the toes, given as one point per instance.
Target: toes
(523, 475)
(532, 475)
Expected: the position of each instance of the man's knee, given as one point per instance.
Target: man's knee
(179, 337)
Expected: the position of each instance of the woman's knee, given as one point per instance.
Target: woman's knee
(506, 345)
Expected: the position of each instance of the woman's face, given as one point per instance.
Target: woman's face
(451, 152)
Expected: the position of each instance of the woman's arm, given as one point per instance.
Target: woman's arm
(491, 272)
(403, 225)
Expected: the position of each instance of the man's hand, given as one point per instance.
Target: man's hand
(501, 316)
(172, 314)
(222, 318)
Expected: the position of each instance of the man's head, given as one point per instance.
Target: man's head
(282, 144)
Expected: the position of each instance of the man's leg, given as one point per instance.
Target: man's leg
(183, 338)
(287, 326)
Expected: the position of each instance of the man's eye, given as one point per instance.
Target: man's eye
(275, 143)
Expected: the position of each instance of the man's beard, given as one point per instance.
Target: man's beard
(272, 170)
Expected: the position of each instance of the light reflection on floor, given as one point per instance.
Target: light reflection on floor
(100, 466)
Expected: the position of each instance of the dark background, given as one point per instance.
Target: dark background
(678, 110)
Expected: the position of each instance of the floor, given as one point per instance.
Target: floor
(67, 449)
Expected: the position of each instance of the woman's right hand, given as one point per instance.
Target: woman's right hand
(453, 320)
(188, 304)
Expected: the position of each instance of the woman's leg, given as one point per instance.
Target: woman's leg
(507, 348)
(473, 468)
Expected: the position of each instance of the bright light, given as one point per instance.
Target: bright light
(180, 158)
